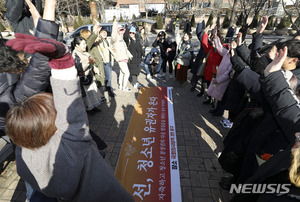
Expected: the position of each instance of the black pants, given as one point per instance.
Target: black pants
(164, 65)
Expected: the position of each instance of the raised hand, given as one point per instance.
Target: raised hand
(276, 64)
(239, 39)
(56, 51)
(233, 45)
(34, 12)
(262, 25)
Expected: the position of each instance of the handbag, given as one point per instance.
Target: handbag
(200, 72)
(86, 79)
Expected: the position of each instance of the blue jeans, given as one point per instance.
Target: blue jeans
(146, 68)
(36, 196)
(108, 73)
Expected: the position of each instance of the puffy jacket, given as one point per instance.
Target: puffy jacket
(119, 45)
(21, 21)
(14, 87)
(149, 57)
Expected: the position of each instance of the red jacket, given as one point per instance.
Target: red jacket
(214, 58)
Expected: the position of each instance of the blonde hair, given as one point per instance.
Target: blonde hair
(294, 173)
(85, 33)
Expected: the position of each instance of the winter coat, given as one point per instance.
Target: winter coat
(94, 51)
(162, 47)
(286, 110)
(149, 57)
(70, 167)
(119, 45)
(136, 49)
(82, 62)
(21, 21)
(35, 79)
(223, 78)
(214, 58)
(184, 51)
(256, 61)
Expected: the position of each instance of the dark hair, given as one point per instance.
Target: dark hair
(293, 49)
(10, 61)
(188, 33)
(76, 41)
(102, 30)
(31, 122)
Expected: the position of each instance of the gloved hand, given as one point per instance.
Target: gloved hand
(57, 52)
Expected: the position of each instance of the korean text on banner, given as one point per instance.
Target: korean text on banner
(148, 163)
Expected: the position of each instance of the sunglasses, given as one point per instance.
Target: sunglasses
(131, 32)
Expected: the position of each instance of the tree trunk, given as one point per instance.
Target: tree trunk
(232, 12)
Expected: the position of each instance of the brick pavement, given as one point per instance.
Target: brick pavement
(199, 136)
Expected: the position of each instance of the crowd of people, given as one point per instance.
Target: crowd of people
(44, 97)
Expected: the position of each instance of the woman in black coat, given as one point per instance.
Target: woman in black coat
(136, 49)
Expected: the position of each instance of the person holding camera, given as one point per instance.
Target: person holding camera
(164, 49)
(153, 61)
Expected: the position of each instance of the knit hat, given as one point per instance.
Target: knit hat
(132, 29)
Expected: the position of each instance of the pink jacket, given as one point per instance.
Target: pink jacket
(222, 78)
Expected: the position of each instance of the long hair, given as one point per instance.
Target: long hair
(294, 173)
(76, 41)
(31, 122)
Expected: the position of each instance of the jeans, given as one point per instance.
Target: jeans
(108, 73)
(36, 196)
(146, 68)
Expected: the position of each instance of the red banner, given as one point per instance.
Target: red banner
(148, 163)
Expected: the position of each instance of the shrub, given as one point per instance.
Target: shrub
(80, 21)
(159, 22)
(193, 23)
(226, 21)
(254, 22)
(210, 20)
(2, 28)
(121, 18)
(284, 23)
(75, 25)
(270, 22)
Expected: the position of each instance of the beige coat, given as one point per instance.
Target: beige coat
(119, 45)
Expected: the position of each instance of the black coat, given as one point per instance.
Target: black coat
(256, 61)
(163, 47)
(136, 49)
(14, 87)
(19, 18)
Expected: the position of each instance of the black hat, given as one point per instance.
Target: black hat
(161, 33)
(155, 54)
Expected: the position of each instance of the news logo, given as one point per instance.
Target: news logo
(260, 188)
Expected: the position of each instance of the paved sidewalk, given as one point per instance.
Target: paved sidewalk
(199, 137)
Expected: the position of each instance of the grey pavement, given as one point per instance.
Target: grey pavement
(199, 136)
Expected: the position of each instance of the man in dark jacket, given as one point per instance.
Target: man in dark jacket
(19, 16)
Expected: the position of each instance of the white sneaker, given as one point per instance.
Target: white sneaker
(137, 85)
(158, 75)
(164, 74)
(126, 89)
(170, 76)
(148, 76)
